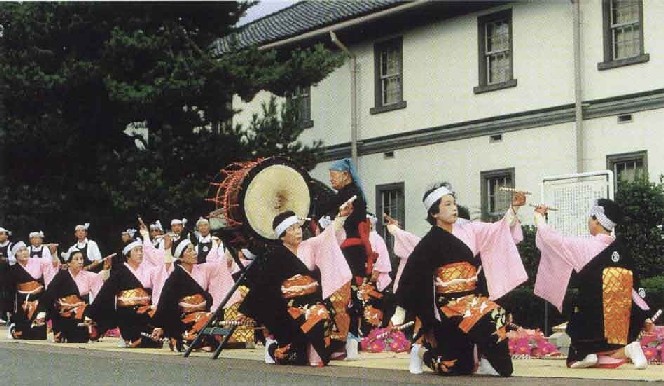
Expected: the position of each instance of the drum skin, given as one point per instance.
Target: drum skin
(254, 192)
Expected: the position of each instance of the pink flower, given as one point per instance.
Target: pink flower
(376, 346)
(522, 348)
(650, 353)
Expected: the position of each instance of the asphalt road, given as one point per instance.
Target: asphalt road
(42, 365)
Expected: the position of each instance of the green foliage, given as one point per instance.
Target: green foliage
(275, 133)
(75, 74)
(654, 287)
(643, 205)
(530, 255)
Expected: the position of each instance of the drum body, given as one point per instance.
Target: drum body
(253, 193)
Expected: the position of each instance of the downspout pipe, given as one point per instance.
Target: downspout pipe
(578, 85)
(353, 97)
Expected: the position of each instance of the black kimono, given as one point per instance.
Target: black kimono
(183, 308)
(286, 297)
(131, 311)
(65, 306)
(466, 316)
(604, 317)
(27, 294)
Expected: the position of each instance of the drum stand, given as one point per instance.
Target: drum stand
(212, 327)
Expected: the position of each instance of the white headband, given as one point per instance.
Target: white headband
(288, 221)
(157, 225)
(434, 196)
(3, 230)
(178, 221)
(83, 227)
(18, 246)
(180, 248)
(201, 220)
(248, 254)
(131, 232)
(36, 234)
(130, 246)
(598, 212)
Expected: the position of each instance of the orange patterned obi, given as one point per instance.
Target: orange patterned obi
(456, 277)
(133, 297)
(70, 306)
(192, 303)
(298, 285)
(30, 287)
(617, 285)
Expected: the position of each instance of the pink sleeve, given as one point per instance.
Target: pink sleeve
(560, 255)
(323, 251)
(221, 282)
(95, 282)
(153, 256)
(382, 264)
(158, 276)
(48, 270)
(404, 243)
(501, 261)
(215, 255)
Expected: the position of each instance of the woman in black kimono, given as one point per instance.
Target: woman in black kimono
(66, 298)
(28, 277)
(287, 297)
(125, 299)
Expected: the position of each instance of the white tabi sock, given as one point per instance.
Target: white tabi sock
(268, 358)
(589, 361)
(485, 368)
(635, 353)
(352, 349)
(415, 366)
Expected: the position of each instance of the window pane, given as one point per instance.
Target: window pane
(497, 36)
(627, 41)
(391, 90)
(498, 68)
(498, 200)
(624, 11)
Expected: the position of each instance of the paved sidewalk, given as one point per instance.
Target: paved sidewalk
(537, 368)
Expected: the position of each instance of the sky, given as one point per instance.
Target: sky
(265, 7)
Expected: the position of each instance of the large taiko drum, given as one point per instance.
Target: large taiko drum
(253, 193)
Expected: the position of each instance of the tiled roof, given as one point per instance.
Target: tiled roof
(302, 17)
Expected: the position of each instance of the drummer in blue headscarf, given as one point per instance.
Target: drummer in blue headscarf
(357, 251)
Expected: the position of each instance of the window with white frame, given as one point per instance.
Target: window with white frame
(628, 166)
(494, 200)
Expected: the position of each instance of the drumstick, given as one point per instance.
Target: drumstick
(345, 204)
(395, 328)
(146, 335)
(548, 207)
(514, 190)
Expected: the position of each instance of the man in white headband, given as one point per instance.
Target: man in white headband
(91, 254)
(609, 312)
(287, 298)
(177, 228)
(206, 242)
(36, 247)
(439, 286)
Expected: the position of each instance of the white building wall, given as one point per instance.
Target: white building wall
(628, 79)
(440, 71)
